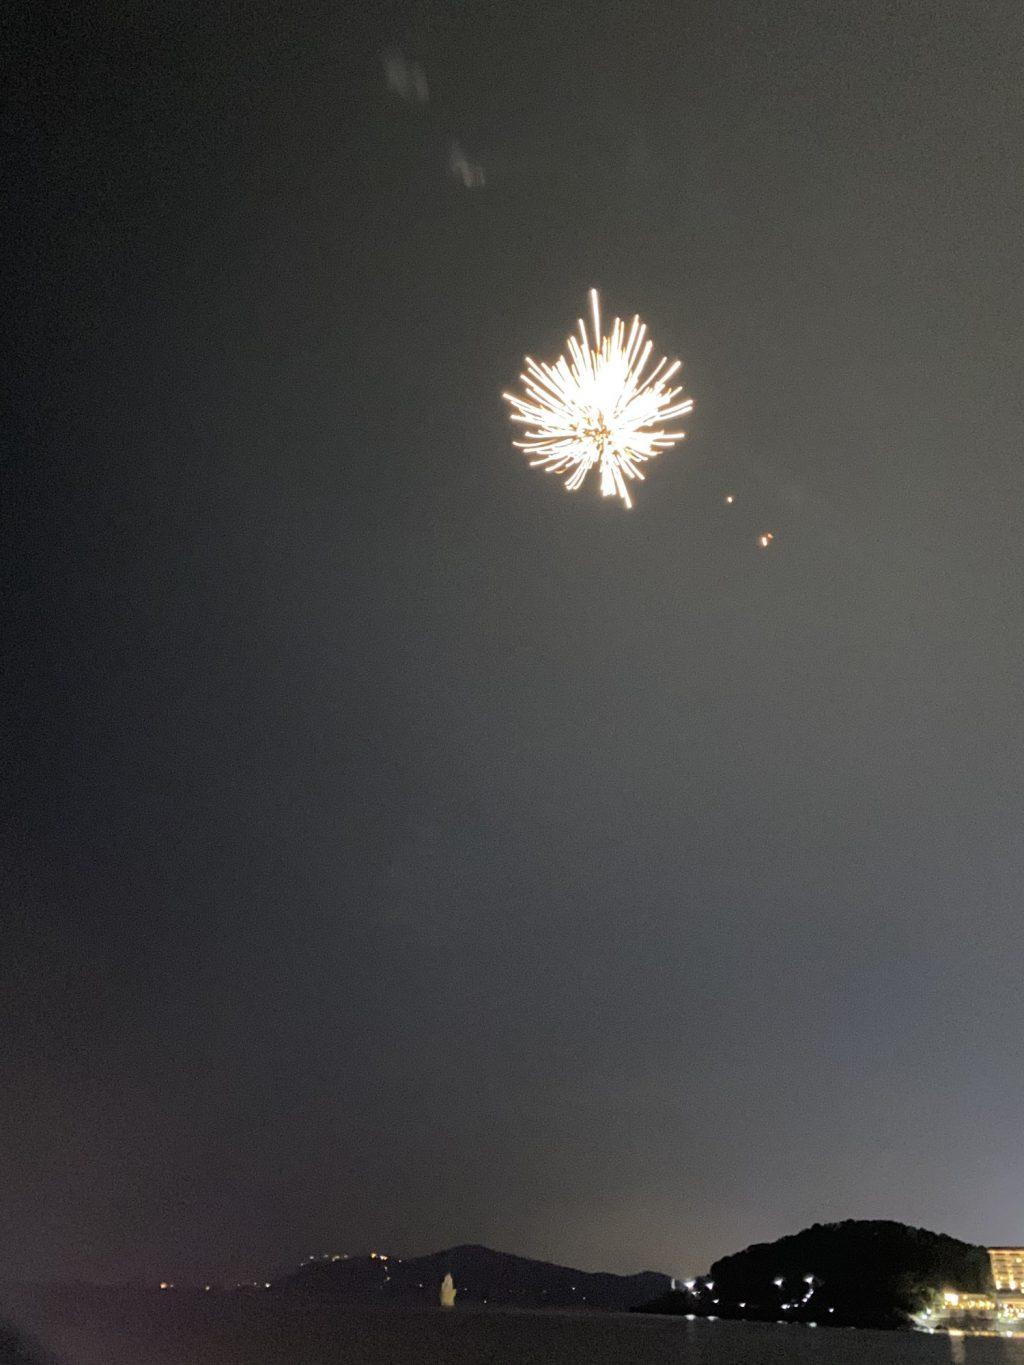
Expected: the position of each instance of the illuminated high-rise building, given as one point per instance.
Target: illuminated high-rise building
(1007, 1269)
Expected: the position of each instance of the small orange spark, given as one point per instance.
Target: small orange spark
(765, 540)
(730, 498)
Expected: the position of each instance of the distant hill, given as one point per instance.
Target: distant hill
(480, 1275)
(856, 1273)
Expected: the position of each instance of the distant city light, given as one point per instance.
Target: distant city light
(765, 540)
(730, 499)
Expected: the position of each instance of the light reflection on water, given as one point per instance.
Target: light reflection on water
(207, 1329)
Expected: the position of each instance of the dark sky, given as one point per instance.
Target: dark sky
(399, 850)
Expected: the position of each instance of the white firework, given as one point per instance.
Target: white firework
(598, 405)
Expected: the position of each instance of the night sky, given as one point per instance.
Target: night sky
(399, 850)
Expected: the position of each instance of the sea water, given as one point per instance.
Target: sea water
(174, 1329)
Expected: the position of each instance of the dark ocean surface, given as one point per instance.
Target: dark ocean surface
(179, 1329)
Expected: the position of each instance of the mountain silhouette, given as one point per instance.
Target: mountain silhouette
(481, 1276)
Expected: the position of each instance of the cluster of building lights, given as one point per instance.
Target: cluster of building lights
(994, 1313)
(381, 1256)
(695, 1287)
(810, 1281)
(998, 1311)
(208, 1288)
(344, 1256)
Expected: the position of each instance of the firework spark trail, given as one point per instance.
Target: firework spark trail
(598, 405)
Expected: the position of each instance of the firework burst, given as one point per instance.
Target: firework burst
(599, 406)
